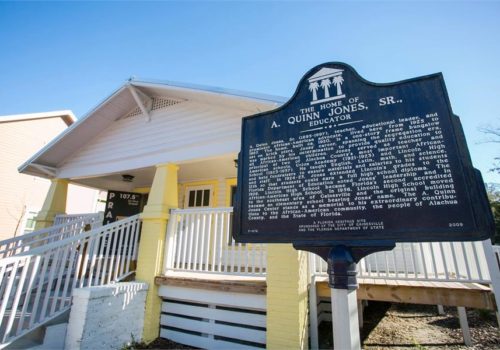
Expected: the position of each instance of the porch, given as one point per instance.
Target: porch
(201, 255)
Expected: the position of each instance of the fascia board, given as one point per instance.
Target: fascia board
(69, 130)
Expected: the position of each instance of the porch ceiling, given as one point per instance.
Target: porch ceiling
(200, 170)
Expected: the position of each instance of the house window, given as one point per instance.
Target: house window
(29, 225)
(198, 197)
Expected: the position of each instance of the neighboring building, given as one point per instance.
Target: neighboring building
(22, 195)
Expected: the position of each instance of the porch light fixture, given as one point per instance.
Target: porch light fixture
(235, 163)
(127, 178)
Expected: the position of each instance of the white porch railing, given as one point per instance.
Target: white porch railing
(441, 261)
(199, 240)
(36, 286)
(65, 228)
(95, 219)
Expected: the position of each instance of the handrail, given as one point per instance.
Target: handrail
(36, 285)
(96, 218)
(202, 210)
(16, 245)
(54, 245)
(438, 261)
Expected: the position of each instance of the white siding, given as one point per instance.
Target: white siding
(188, 130)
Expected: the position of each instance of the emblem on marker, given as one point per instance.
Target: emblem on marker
(325, 78)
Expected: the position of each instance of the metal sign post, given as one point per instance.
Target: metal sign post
(348, 167)
(343, 284)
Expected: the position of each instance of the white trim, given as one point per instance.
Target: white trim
(135, 94)
(62, 135)
(66, 115)
(51, 171)
(174, 85)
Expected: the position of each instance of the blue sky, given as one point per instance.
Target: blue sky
(71, 55)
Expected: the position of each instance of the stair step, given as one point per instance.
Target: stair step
(55, 336)
(25, 343)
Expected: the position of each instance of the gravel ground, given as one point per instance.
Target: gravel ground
(404, 326)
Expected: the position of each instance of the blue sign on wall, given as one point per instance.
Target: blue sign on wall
(347, 161)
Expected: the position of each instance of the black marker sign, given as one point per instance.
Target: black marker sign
(347, 161)
(120, 205)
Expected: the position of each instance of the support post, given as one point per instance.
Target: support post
(162, 198)
(313, 314)
(287, 279)
(462, 316)
(343, 284)
(360, 313)
(440, 310)
(55, 203)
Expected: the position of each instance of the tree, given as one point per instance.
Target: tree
(325, 84)
(494, 137)
(493, 191)
(313, 87)
(338, 81)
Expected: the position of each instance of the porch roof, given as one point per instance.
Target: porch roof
(124, 100)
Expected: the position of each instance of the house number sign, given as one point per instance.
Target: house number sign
(350, 162)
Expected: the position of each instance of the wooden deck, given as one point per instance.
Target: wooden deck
(472, 295)
(216, 282)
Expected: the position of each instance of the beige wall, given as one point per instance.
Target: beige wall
(19, 140)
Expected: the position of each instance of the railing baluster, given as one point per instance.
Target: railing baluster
(202, 243)
(180, 238)
(210, 237)
(455, 263)
(36, 265)
(109, 240)
(122, 257)
(41, 282)
(424, 262)
(476, 259)
(53, 267)
(59, 278)
(186, 239)
(396, 272)
(111, 257)
(413, 260)
(92, 247)
(71, 271)
(231, 244)
(443, 257)
(261, 258)
(97, 258)
(224, 244)
(196, 239)
(433, 257)
(17, 296)
(136, 237)
(214, 251)
(466, 260)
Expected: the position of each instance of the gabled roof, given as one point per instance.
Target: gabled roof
(66, 115)
(122, 101)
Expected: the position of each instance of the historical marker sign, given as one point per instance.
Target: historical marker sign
(347, 161)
